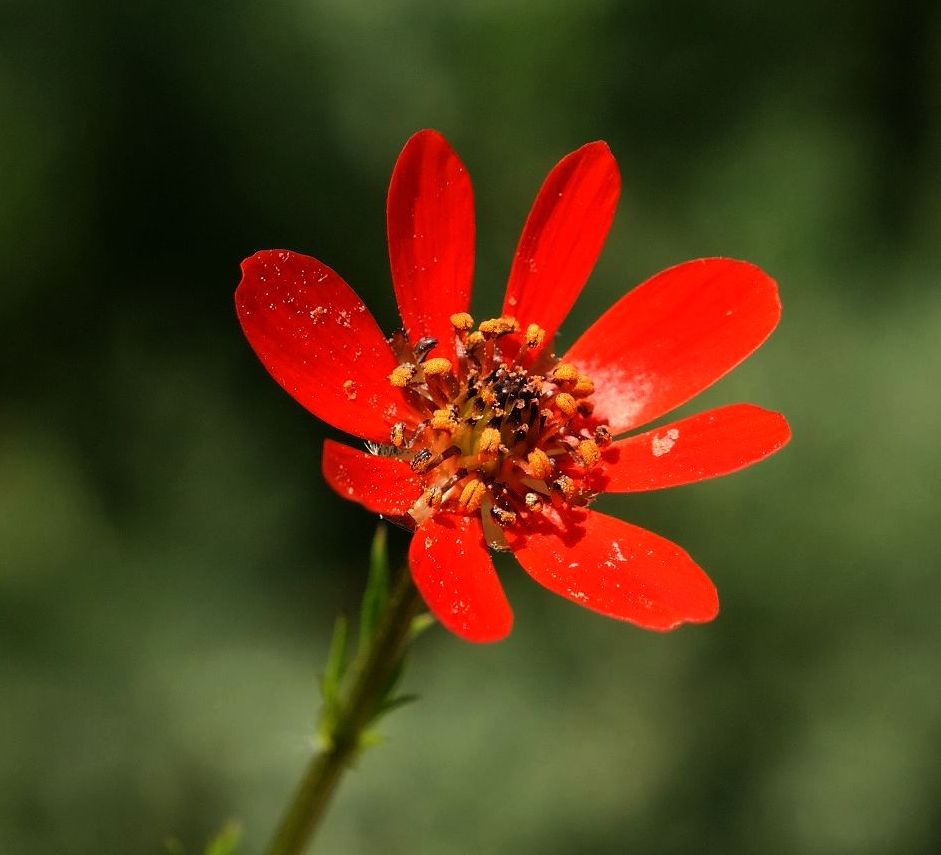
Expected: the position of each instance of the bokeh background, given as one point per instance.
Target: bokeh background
(170, 560)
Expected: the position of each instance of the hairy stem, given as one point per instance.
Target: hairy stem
(366, 690)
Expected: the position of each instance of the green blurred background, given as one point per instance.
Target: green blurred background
(170, 559)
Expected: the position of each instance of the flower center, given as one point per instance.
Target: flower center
(497, 438)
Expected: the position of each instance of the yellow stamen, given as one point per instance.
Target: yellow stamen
(564, 373)
(540, 466)
(471, 496)
(498, 326)
(535, 336)
(489, 442)
(495, 438)
(566, 486)
(587, 451)
(401, 376)
(443, 420)
(566, 404)
(437, 366)
(502, 516)
(461, 321)
(533, 501)
(583, 386)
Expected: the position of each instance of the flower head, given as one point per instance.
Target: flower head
(480, 436)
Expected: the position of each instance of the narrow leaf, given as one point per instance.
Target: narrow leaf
(225, 842)
(369, 739)
(371, 736)
(336, 663)
(395, 703)
(419, 624)
(394, 677)
(377, 589)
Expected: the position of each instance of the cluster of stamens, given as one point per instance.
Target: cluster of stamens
(497, 437)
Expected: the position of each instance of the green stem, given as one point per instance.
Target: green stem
(366, 690)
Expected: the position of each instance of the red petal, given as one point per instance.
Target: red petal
(430, 217)
(617, 569)
(703, 446)
(318, 340)
(452, 569)
(673, 336)
(381, 484)
(563, 236)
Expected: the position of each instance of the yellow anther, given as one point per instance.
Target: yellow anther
(397, 435)
(533, 501)
(502, 516)
(588, 453)
(432, 496)
(471, 496)
(564, 373)
(475, 339)
(401, 376)
(489, 442)
(437, 366)
(498, 326)
(535, 336)
(566, 404)
(566, 486)
(583, 386)
(443, 420)
(540, 466)
(488, 397)
(461, 321)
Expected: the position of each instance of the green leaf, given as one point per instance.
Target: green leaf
(377, 589)
(394, 677)
(369, 739)
(419, 624)
(174, 846)
(395, 703)
(225, 842)
(336, 663)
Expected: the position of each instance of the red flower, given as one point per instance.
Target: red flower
(482, 436)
